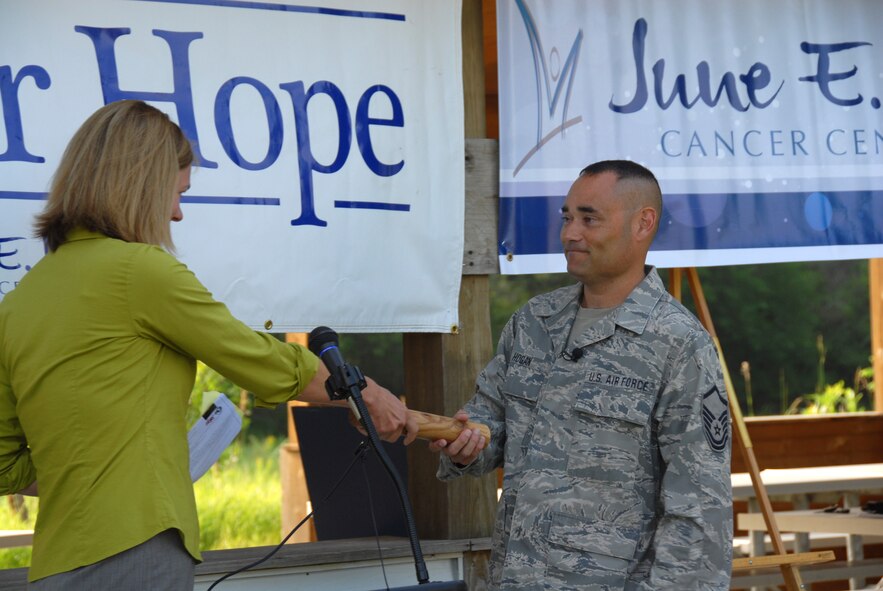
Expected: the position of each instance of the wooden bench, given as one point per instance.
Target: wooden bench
(871, 568)
(742, 545)
(809, 461)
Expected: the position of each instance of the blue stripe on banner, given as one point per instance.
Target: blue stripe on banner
(372, 205)
(184, 199)
(530, 225)
(230, 200)
(23, 195)
(286, 8)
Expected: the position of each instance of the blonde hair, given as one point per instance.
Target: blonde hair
(117, 177)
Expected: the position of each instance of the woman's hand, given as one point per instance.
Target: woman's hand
(389, 414)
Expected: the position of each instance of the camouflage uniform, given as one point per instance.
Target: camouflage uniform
(617, 465)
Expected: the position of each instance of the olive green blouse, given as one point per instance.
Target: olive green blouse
(97, 359)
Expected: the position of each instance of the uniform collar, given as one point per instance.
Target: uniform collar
(560, 307)
(635, 312)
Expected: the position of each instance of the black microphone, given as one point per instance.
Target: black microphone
(574, 355)
(345, 380)
(323, 342)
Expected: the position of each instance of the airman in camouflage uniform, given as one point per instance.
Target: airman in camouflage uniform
(615, 441)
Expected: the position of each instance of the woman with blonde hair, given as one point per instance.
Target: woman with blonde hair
(98, 346)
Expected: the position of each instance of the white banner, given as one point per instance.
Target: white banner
(331, 185)
(762, 121)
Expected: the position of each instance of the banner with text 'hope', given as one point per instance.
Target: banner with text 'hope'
(761, 120)
(329, 135)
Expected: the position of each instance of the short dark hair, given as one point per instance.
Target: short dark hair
(626, 170)
(623, 169)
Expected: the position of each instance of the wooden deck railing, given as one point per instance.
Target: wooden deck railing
(800, 441)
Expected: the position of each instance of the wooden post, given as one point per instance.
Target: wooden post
(295, 497)
(875, 281)
(674, 283)
(440, 369)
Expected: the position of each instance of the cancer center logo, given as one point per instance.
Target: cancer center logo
(554, 83)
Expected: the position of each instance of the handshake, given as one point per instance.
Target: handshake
(345, 381)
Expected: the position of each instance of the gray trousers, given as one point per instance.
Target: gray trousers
(160, 563)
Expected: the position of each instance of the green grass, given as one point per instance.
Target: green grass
(9, 519)
(238, 500)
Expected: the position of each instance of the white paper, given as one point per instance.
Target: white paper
(211, 434)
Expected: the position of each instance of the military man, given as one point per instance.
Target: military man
(608, 414)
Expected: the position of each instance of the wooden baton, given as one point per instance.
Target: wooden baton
(432, 427)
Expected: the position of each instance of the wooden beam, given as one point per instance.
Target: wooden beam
(295, 496)
(675, 280)
(474, 117)
(482, 207)
(774, 560)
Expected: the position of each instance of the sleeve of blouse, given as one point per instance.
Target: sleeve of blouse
(16, 468)
(170, 305)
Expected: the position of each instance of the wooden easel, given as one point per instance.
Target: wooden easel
(787, 563)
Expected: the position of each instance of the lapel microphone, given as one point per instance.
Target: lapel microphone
(574, 355)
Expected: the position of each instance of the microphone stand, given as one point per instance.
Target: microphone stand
(348, 383)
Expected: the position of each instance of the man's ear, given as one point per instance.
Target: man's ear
(645, 225)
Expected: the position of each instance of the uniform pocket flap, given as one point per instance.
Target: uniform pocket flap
(526, 387)
(596, 537)
(615, 404)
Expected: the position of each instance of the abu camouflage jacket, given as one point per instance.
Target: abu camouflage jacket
(616, 465)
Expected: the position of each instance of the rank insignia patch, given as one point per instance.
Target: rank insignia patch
(716, 419)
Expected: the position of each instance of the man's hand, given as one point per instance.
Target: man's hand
(465, 448)
(389, 414)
